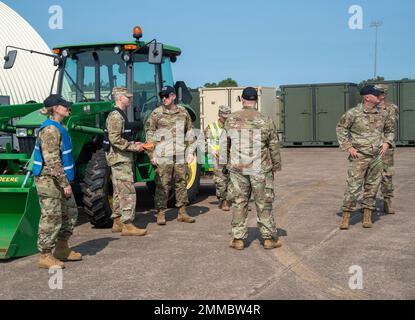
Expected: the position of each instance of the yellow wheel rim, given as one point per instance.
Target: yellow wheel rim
(110, 202)
(192, 169)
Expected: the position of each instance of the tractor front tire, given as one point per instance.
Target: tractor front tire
(97, 191)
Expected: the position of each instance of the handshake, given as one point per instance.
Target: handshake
(140, 147)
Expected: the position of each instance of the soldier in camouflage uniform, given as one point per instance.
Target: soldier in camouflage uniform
(386, 186)
(366, 133)
(120, 159)
(59, 211)
(254, 159)
(212, 134)
(167, 128)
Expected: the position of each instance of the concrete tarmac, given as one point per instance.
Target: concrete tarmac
(194, 261)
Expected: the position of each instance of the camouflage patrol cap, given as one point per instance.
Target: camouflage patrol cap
(382, 88)
(121, 91)
(224, 111)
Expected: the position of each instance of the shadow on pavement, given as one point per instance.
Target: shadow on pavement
(92, 247)
(254, 234)
(357, 215)
(143, 220)
(146, 213)
(10, 260)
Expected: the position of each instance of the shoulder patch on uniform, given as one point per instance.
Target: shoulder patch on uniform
(353, 110)
(182, 108)
(51, 129)
(158, 110)
(115, 113)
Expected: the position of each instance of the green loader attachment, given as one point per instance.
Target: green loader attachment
(19, 216)
(19, 206)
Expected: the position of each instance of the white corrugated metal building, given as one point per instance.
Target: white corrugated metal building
(31, 76)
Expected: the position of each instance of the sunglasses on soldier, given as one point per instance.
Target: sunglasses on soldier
(167, 96)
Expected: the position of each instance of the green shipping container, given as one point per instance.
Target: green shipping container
(310, 112)
(407, 113)
(402, 93)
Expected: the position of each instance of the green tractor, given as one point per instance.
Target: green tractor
(85, 75)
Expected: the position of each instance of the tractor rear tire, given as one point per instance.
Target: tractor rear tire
(97, 191)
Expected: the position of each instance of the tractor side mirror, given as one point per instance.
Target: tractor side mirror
(9, 59)
(183, 92)
(155, 53)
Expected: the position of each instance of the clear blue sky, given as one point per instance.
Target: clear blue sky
(263, 42)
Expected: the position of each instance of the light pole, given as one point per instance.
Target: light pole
(376, 24)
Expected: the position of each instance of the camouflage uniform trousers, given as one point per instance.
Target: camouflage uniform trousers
(165, 175)
(386, 186)
(124, 197)
(262, 187)
(58, 214)
(221, 181)
(365, 172)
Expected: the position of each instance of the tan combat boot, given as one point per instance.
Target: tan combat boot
(345, 220)
(64, 253)
(183, 216)
(47, 260)
(220, 204)
(387, 202)
(117, 225)
(272, 244)
(128, 229)
(226, 205)
(237, 244)
(367, 218)
(161, 217)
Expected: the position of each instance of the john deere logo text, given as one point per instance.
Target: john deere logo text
(3, 179)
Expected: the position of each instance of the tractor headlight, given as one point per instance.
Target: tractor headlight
(25, 132)
(21, 132)
(65, 53)
(117, 49)
(126, 57)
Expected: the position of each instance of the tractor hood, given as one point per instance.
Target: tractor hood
(31, 120)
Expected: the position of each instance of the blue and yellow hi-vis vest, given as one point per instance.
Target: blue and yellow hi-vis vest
(66, 155)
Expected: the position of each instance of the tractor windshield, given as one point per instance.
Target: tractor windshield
(91, 75)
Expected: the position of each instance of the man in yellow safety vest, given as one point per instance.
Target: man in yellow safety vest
(217, 154)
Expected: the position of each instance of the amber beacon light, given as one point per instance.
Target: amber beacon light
(137, 32)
